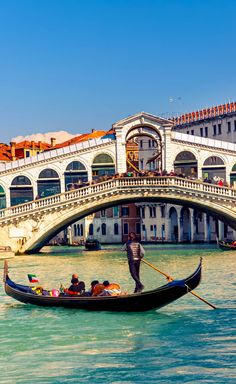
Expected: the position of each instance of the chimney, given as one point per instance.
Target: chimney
(32, 144)
(13, 150)
(53, 141)
(40, 144)
(93, 130)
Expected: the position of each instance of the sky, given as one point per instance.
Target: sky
(78, 65)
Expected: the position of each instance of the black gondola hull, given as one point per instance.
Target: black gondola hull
(224, 246)
(92, 245)
(128, 303)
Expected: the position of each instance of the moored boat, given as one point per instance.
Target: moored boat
(153, 299)
(227, 245)
(92, 245)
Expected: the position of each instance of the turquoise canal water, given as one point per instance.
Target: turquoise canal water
(185, 342)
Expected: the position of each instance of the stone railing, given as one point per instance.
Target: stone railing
(120, 185)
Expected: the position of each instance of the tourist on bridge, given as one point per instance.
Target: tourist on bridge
(135, 252)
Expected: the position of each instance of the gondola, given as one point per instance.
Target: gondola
(92, 245)
(227, 246)
(134, 302)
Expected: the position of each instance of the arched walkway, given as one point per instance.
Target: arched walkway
(185, 164)
(103, 165)
(214, 169)
(233, 176)
(48, 183)
(75, 175)
(2, 198)
(21, 190)
(143, 149)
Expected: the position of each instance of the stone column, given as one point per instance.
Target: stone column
(192, 225)
(167, 162)
(90, 176)
(221, 230)
(207, 229)
(180, 229)
(168, 229)
(120, 152)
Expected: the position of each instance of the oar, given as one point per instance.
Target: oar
(5, 271)
(169, 278)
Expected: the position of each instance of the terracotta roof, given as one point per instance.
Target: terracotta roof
(206, 113)
(81, 138)
(5, 153)
(32, 145)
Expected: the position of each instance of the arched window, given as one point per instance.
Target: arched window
(103, 165)
(21, 190)
(185, 164)
(21, 180)
(213, 161)
(48, 174)
(116, 229)
(75, 175)
(81, 230)
(75, 230)
(2, 198)
(233, 175)
(90, 229)
(213, 169)
(104, 229)
(185, 156)
(78, 229)
(48, 183)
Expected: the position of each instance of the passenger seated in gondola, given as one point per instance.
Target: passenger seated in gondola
(92, 286)
(110, 289)
(97, 289)
(91, 289)
(77, 287)
(81, 283)
(39, 291)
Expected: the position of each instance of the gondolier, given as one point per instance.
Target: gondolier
(135, 253)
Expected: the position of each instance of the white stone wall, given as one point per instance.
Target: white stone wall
(226, 134)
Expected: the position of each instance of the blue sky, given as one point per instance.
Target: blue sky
(80, 64)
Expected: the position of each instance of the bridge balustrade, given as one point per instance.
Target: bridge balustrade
(117, 184)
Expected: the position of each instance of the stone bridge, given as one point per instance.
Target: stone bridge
(27, 227)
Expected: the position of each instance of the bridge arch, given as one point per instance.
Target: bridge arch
(76, 214)
(143, 130)
(144, 148)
